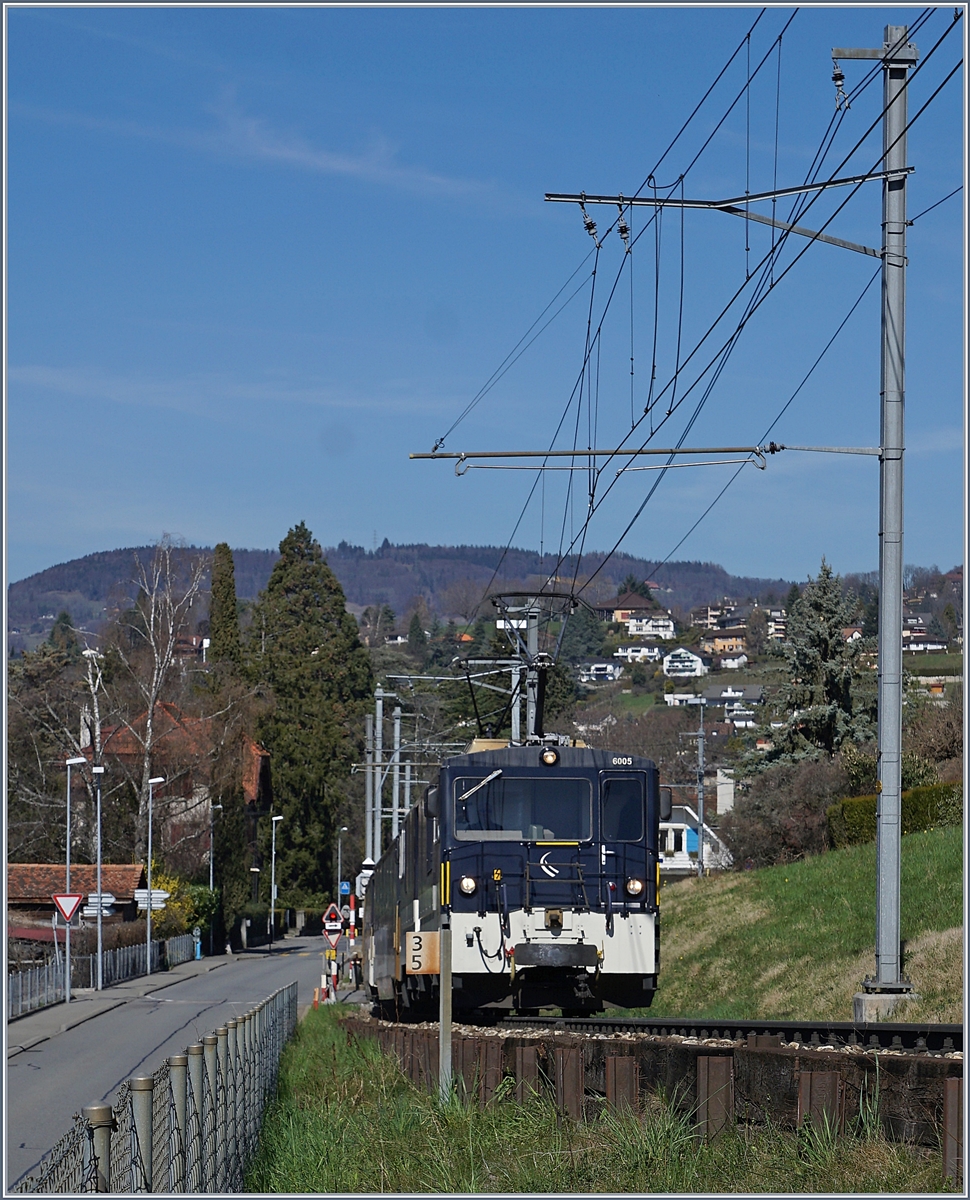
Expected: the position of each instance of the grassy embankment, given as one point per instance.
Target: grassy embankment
(788, 940)
(347, 1120)
(797, 940)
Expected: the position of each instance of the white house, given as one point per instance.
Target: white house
(678, 845)
(682, 664)
(659, 626)
(734, 663)
(599, 672)
(634, 654)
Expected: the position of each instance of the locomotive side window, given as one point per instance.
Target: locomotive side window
(510, 808)
(622, 809)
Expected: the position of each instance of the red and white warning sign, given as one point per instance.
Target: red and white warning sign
(333, 925)
(67, 904)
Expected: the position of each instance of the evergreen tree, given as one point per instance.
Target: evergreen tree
(304, 646)
(794, 594)
(63, 637)
(583, 636)
(223, 611)
(637, 586)
(825, 688)
(417, 643)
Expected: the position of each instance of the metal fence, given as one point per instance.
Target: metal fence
(37, 987)
(193, 1126)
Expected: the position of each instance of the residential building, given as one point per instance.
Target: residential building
(32, 886)
(734, 663)
(705, 617)
(734, 616)
(656, 626)
(625, 607)
(724, 641)
(732, 695)
(638, 653)
(678, 845)
(681, 663)
(599, 672)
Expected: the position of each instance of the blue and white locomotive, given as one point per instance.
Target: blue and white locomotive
(544, 859)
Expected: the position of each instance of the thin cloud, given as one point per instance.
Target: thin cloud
(247, 138)
(213, 394)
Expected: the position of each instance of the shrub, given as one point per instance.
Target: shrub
(852, 821)
(782, 815)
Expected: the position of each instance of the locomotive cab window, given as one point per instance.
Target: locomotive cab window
(622, 809)
(500, 807)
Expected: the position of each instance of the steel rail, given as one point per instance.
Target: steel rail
(882, 1035)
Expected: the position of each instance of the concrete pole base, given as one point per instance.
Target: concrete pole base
(868, 1007)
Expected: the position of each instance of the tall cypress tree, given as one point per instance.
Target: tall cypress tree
(303, 644)
(223, 612)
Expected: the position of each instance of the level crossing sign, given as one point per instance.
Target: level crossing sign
(333, 925)
(67, 904)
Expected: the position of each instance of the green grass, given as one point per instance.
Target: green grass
(636, 703)
(347, 1120)
(797, 940)
(933, 664)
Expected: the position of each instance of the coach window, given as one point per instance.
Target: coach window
(622, 809)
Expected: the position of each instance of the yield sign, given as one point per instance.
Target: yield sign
(333, 925)
(67, 904)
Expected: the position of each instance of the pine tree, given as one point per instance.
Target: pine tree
(417, 643)
(303, 644)
(583, 636)
(63, 637)
(824, 695)
(223, 611)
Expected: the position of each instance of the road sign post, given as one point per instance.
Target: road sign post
(333, 925)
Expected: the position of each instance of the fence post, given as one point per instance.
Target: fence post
(142, 1087)
(101, 1121)
(194, 1151)
(178, 1066)
(210, 1044)
(222, 1109)
(232, 1099)
(247, 1089)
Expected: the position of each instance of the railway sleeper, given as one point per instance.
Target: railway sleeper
(719, 1084)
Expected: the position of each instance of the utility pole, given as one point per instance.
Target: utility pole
(516, 710)
(897, 55)
(378, 763)
(532, 677)
(700, 789)
(369, 786)
(396, 775)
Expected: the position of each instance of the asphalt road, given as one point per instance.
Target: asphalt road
(49, 1081)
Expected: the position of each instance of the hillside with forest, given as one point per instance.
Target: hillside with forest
(449, 579)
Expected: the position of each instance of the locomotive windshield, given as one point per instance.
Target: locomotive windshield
(512, 808)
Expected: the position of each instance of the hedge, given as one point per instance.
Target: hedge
(853, 821)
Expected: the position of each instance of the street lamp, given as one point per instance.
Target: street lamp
(148, 910)
(71, 762)
(343, 830)
(272, 882)
(212, 809)
(98, 772)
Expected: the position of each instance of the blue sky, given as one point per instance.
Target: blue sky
(256, 256)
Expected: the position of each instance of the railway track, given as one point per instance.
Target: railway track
(915, 1039)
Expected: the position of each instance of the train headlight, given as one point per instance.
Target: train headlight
(467, 886)
(634, 887)
(550, 757)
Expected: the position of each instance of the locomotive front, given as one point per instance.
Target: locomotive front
(550, 868)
